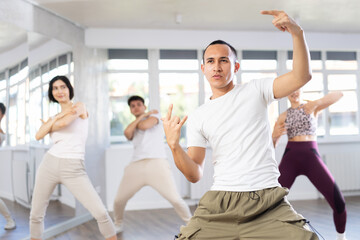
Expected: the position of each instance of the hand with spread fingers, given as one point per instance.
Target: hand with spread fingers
(283, 22)
(172, 127)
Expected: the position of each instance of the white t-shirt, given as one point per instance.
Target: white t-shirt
(149, 143)
(70, 141)
(236, 125)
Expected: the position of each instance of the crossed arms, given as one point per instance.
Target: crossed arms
(61, 120)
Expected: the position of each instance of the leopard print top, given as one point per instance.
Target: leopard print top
(298, 123)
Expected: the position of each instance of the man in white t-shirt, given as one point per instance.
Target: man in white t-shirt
(246, 200)
(149, 166)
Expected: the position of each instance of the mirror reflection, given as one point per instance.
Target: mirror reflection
(27, 62)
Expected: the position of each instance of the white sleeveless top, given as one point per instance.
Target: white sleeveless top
(69, 142)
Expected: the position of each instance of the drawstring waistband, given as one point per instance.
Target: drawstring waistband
(254, 196)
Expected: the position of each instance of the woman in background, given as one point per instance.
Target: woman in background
(301, 156)
(10, 223)
(64, 162)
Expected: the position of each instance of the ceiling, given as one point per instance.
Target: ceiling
(11, 36)
(232, 15)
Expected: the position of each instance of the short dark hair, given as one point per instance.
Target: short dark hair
(2, 108)
(223, 43)
(68, 84)
(135, 98)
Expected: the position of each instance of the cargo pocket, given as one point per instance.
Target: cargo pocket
(295, 228)
(188, 232)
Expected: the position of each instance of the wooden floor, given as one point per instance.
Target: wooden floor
(55, 214)
(163, 224)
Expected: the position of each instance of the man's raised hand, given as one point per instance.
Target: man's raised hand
(283, 22)
(172, 127)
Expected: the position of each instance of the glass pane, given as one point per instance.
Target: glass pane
(315, 64)
(315, 84)
(35, 116)
(343, 115)
(176, 64)
(2, 84)
(63, 70)
(258, 64)
(128, 64)
(340, 65)
(121, 87)
(342, 81)
(45, 77)
(3, 96)
(348, 103)
(35, 82)
(21, 114)
(247, 77)
(12, 115)
(182, 90)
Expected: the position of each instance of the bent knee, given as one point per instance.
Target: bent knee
(101, 216)
(339, 200)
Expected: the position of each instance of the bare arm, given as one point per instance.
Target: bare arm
(47, 126)
(191, 164)
(301, 72)
(78, 110)
(322, 103)
(279, 129)
(138, 123)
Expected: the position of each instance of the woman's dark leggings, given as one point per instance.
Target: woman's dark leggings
(302, 158)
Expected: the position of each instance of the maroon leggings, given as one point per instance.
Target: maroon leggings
(302, 158)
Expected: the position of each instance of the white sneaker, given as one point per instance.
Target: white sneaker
(10, 224)
(119, 228)
(341, 236)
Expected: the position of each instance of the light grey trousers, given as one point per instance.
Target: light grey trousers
(71, 173)
(156, 173)
(4, 210)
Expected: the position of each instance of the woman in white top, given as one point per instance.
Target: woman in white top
(64, 162)
(10, 223)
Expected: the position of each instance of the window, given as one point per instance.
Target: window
(128, 74)
(179, 83)
(257, 65)
(314, 89)
(174, 76)
(342, 75)
(39, 78)
(339, 74)
(17, 102)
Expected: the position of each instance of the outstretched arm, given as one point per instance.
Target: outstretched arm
(191, 164)
(322, 103)
(279, 129)
(301, 72)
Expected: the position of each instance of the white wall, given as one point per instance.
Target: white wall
(190, 39)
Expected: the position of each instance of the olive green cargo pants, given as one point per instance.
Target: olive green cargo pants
(257, 215)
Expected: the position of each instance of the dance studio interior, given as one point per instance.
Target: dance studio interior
(113, 49)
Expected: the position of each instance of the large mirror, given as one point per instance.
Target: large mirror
(27, 63)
